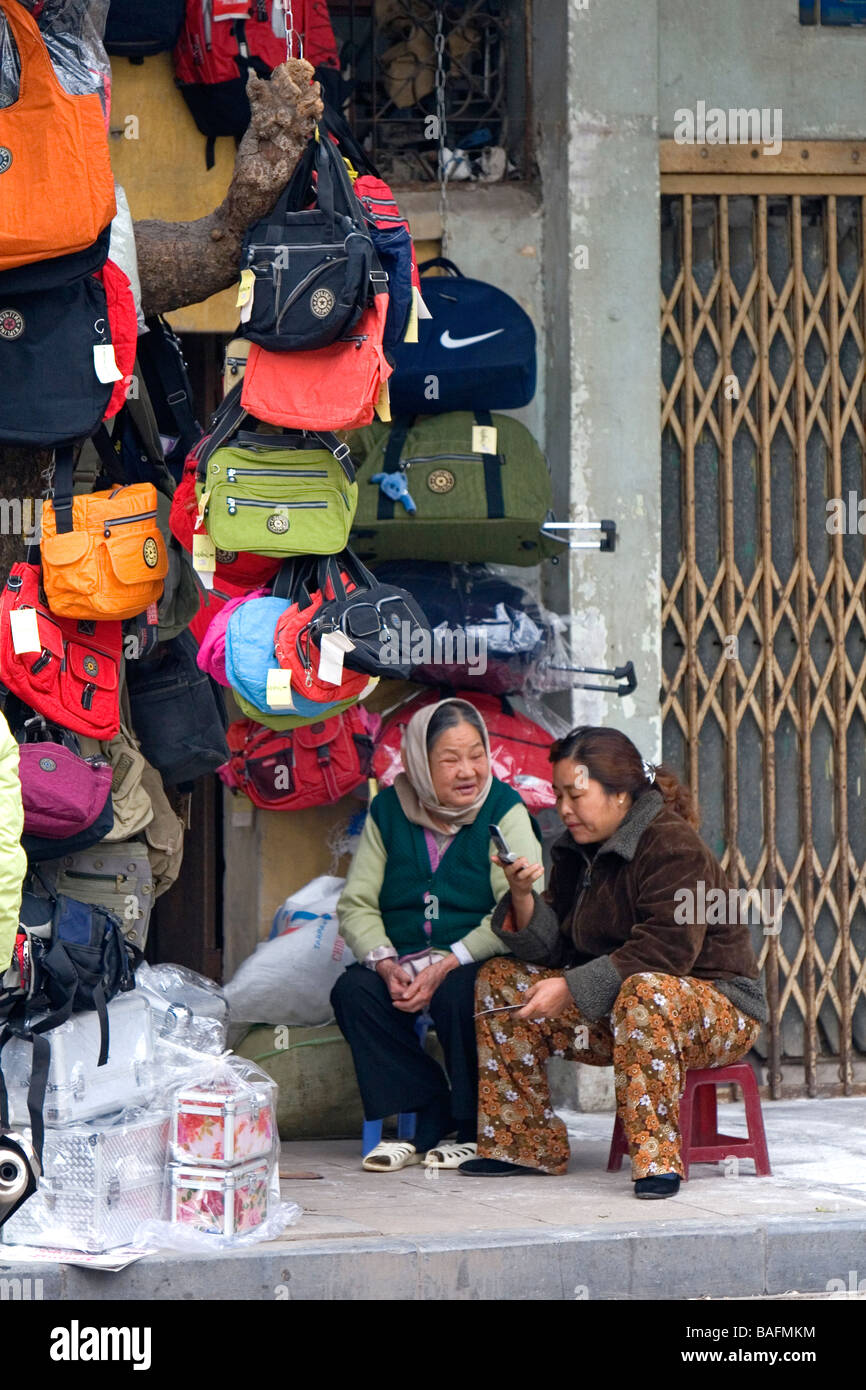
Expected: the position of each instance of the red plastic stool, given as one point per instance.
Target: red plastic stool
(699, 1122)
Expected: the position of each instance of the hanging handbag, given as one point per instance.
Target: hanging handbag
(66, 797)
(50, 343)
(73, 678)
(311, 766)
(260, 495)
(250, 659)
(307, 274)
(212, 650)
(284, 722)
(56, 185)
(385, 625)
(303, 662)
(103, 555)
(178, 714)
(333, 388)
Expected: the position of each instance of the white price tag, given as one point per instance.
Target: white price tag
(105, 363)
(25, 631)
(484, 439)
(279, 689)
(332, 651)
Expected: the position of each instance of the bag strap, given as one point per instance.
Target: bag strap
(336, 124)
(64, 467)
(293, 579)
(177, 400)
(492, 474)
(391, 463)
(108, 457)
(37, 1088)
(444, 263)
(37, 70)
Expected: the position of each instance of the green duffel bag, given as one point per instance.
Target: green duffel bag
(260, 496)
(318, 1095)
(480, 485)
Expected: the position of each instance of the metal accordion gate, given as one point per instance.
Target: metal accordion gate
(763, 573)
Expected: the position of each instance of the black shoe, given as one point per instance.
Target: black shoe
(495, 1168)
(661, 1185)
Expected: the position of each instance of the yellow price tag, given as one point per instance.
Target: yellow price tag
(245, 288)
(279, 689)
(484, 439)
(383, 403)
(411, 334)
(203, 553)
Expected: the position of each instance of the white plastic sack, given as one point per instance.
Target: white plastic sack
(288, 980)
(315, 902)
(121, 249)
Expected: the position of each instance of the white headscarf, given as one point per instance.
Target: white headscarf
(415, 788)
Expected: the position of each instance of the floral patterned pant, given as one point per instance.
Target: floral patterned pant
(659, 1026)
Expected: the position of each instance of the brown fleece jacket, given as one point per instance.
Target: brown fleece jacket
(614, 914)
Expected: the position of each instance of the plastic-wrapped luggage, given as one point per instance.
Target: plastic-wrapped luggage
(99, 1181)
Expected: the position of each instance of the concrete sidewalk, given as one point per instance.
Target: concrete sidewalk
(409, 1236)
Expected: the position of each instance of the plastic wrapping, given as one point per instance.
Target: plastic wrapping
(122, 248)
(486, 630)
(78, 1089)
(289, 979)
(190, 1011)
(72, 30)
(101, 1181)
(222, 1178)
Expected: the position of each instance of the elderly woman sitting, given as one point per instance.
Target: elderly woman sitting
(614, 967)
(416, 913)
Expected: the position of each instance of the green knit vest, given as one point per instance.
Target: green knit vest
(460, 892)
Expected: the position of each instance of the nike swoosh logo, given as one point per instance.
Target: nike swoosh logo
(448, 342)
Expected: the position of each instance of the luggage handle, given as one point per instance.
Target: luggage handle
(606, 542)
(625, 673)
(444, 263)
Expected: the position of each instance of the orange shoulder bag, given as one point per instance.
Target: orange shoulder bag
(56, 186)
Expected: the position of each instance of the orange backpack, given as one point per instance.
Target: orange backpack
(56, 186)
(103, 555)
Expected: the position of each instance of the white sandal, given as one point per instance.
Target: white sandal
(389, 1155)
(449, 1154)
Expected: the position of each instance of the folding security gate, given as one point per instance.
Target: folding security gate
(764, 570)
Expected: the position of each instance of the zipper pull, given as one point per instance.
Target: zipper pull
(232, 506)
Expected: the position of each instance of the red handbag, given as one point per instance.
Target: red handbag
(302, 657)
(311, 766)
(518, 747)
(74, 679)
(236, 568)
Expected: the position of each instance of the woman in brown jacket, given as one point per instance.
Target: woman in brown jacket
(638, 956)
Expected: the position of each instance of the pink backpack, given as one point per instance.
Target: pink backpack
(212, 652)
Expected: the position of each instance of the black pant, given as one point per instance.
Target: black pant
(394, 1074)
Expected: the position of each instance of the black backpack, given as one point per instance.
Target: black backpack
(68, 957)
(314, 269)
(137, 28)
(164, 369)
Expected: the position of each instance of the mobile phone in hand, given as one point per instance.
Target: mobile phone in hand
(505, 854)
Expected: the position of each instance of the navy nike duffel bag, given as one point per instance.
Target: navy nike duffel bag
(475, 352)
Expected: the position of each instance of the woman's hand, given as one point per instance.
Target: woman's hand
(416, 998)
(546, 999)
(396, 978)
(521, 875)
